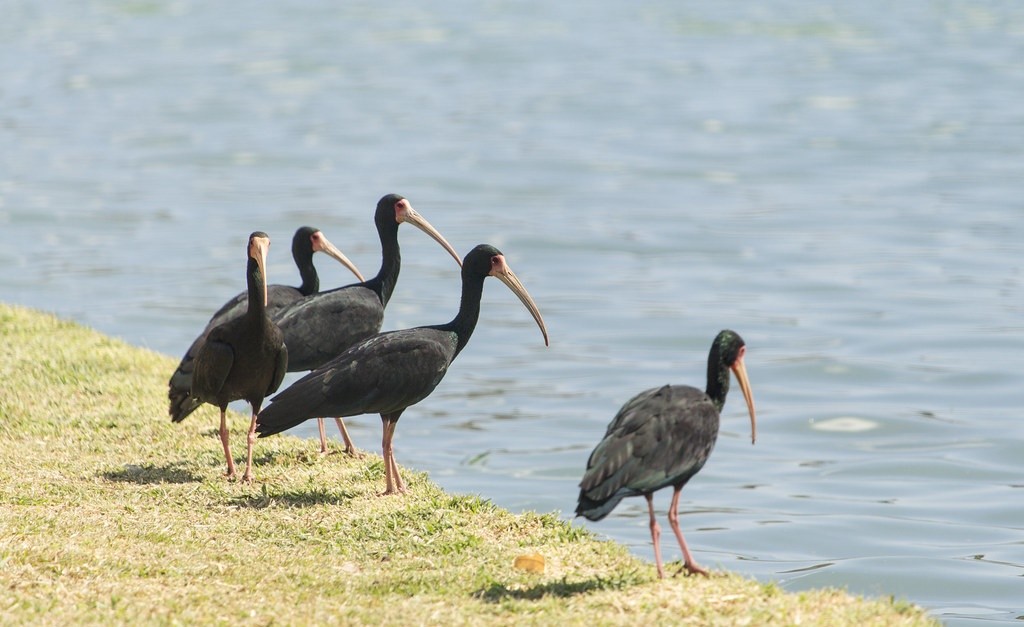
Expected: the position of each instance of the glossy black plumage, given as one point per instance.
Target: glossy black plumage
(244, 358)
(306, 241)
(662, 437)
(319, 327)
(391, 371)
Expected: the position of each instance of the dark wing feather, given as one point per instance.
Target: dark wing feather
(660, 437)
(179, 388)
(279, 297)
(384, 374)
(212, 366)
(322, 326)
(280, 368)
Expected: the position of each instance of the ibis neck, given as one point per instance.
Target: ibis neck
(254, 280)
(718, 378)
(310, 279)
(391, 263)
(465, 321)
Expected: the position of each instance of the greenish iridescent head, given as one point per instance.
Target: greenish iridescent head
(727, 352)
(393, 210)
(309, 240)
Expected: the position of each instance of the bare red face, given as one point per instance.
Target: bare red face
(405, 213)
(498, 265)
(402, 208)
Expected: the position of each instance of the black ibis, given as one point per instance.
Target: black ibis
(244, 358)
(307, 240)
(320, 327)
(391, 371)
(662, 437)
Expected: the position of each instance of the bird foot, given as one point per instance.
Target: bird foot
(352, 452)
(247, 478)
(399, 490)
(230, 475)
(692, 569)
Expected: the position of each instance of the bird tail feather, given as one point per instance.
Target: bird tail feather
(179, 392)
(291, 407)
(597, 509)
(181, 405)
(179, 388)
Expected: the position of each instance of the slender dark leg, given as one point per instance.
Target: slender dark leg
(250, 440)
(323, 436)
(673, 519)
(655, 536)
(230, 474)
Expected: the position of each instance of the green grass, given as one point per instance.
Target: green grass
(111, 514)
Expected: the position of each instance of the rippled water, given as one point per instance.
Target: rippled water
(840, 183)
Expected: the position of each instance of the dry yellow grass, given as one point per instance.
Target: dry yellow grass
(111, 514)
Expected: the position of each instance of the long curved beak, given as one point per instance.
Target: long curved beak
(322, 244)
(262, 245)
(740, 370)
(505, 274)
(407, 214)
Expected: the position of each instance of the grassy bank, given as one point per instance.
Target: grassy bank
(109, 513)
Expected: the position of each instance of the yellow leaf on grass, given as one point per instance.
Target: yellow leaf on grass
(533, 563)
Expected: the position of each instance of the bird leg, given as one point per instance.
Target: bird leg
(673, 519)
(655, 535)
(230, 474)
(386, 454)
(350, 446)
(250, 440)
(393, 482)
(323, 435)
(399, 484)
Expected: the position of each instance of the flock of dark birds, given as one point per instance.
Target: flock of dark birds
(659, 438)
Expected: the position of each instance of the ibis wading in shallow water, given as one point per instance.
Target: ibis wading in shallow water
(244, 358)
(391, 371)
(320, 327)
(661, 438)
(307, 240)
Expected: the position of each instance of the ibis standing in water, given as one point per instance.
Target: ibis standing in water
(660, 438)
(321, 326)
(307, 240)
(391, 371)
(244, 358)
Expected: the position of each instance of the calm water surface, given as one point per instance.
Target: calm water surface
(841, 184)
